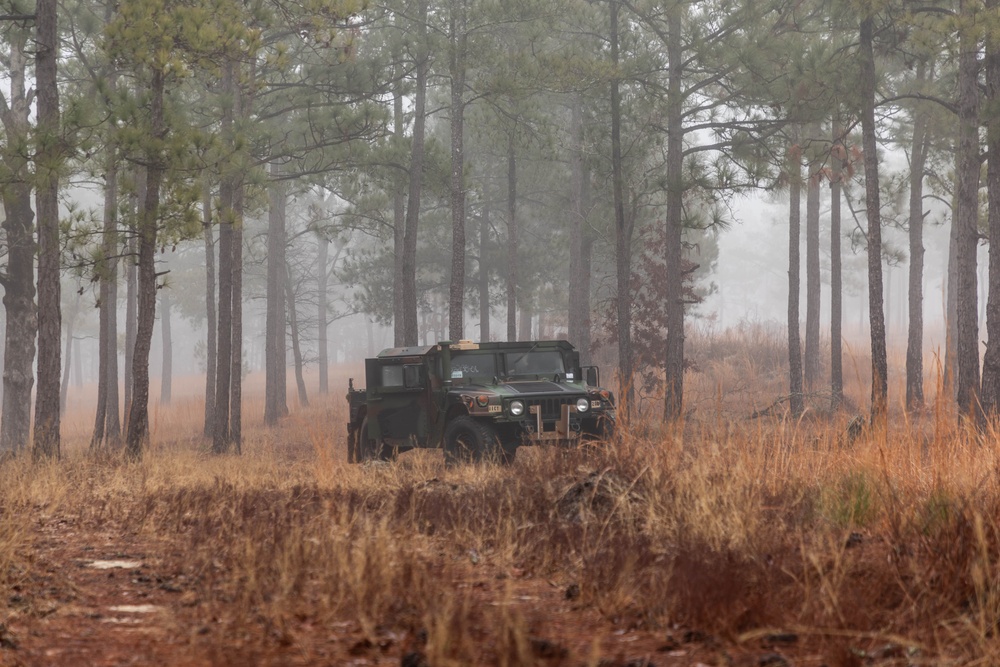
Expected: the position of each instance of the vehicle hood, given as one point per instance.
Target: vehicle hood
(524, 388)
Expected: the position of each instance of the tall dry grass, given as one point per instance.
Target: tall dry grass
(732, 527)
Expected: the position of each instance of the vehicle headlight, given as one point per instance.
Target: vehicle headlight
(582, 405)
(516, 408)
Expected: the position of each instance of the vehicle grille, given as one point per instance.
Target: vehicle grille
(551, 407)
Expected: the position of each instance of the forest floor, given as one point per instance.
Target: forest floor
(763, 542)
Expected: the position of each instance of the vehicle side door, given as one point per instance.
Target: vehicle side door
(403, 413)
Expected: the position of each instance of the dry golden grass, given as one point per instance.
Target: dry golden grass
(734, 528)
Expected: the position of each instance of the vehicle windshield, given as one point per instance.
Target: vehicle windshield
(473, 364)
(535, 362)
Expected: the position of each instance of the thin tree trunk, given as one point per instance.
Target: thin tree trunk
(915, 297)
(527, 315)
(166, 372)
(416, 180)
(512, 250)
(836, 276)
(484, 270)
(398, 222)
(951, 308)
(138, 421)
(47, 161)
(794, 268)
(967, 168)
(275, 392)
(19, 281)
(990, 395)
(107, 424)
(293, 324)
(77, 365)
(876, 314)
(322, 259)
(211, 338)
(581, 241)
(131, 291)
(812, 362)
(623, 234)
(456, 289)
(221, 439)
(68, 358)
(236, 378)
(674, 361)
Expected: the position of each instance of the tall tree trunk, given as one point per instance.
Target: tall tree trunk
(673, 273)
(484, 270)
(293, 325)
(623, 232)
(211, 363)
(456, 66)
(132, 289)
(221, 439)
(512, 250)
(951, 308)
(68, 359)
(48, 157)
(527, 315)
(812, 362)
(107, 423)
(990, 395)
(138, 420)
(166, 372)
(19, 280)
(794, 268)
(967, 167)
(77, 365)
(915, 326)
(398, 221)
(236, 375)
(581, 240)
(322, 259)
(275, 369)
(107, 426)
(416, 181)
(876, 314)
(836, 276)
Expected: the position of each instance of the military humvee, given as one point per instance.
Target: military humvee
(477, 401)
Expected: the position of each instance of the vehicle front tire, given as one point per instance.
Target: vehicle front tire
(470, 440)
(602, 428)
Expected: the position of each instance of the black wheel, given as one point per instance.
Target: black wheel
(352, 445)
(469, 440)
(508, 451)
(370, 449)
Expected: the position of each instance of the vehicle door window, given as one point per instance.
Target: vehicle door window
(392, 376)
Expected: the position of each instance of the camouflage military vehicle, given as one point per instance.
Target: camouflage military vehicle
(477, 401)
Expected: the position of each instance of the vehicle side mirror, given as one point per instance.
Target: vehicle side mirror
(593, 378)
(413, 377)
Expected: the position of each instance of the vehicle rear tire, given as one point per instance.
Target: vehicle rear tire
(470, 440)
(352, 445)
(369, 449)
